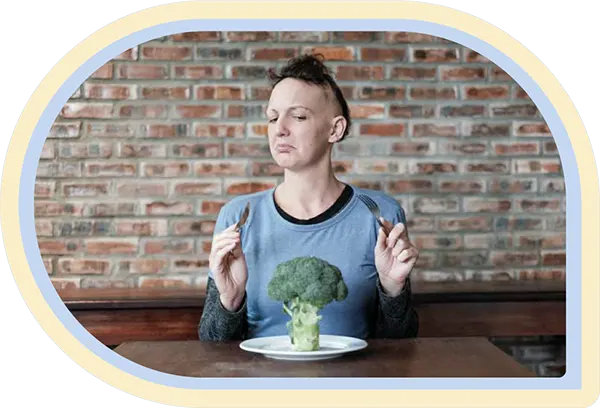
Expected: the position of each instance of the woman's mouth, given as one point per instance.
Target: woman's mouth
(284, 148)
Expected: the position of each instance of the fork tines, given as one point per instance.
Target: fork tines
(374, 208)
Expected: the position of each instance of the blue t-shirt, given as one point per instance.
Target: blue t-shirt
(346, 240)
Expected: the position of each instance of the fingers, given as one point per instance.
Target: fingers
(381, 244)
(407, 254)
(397, 234)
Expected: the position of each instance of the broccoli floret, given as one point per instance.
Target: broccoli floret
(305, 285)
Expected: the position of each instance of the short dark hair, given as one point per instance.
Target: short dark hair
(311, 69)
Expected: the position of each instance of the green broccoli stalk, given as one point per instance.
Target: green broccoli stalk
(305, 285)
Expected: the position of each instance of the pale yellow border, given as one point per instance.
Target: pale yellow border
(372, 10)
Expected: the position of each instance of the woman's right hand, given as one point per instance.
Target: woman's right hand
(228, 265)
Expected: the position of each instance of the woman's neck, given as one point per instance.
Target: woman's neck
(306, 195)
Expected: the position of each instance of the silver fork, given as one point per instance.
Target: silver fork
(374, 208)
(243, 218)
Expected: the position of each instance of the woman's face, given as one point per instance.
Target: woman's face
(301, 123)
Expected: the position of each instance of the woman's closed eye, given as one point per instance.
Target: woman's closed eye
(300, 117)
(272, 120)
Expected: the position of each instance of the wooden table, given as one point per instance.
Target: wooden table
(420, 357)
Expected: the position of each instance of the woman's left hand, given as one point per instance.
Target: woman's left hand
(395, 257)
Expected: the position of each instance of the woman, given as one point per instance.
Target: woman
(311, 213)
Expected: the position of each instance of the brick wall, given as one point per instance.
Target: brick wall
(543, 355)
(143, 155)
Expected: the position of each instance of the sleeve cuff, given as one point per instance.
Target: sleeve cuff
(394, 307)
(235, 314)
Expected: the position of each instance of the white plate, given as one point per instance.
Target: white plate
(280, 347)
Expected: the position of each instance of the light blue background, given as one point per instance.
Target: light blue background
(36, 371)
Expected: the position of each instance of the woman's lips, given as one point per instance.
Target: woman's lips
(282, 148)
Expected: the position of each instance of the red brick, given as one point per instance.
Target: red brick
(437, 241)
(43, 228)
(382, 54)
(552, 186)
(520, 93)
(256, 130)
(412, 149)
(519, 110)
(163, 131)
(409, 186)
(128, 55)
(75, 266)
(192, 188)
(498, 74)
(219, 130)
(64, 130)
(142, 111)
(168, 246)
(248, 72)
(220, 53)
(251, 36)
(144, 266)
(408, 37)
(203, 150)
(109, 209)
(432, 167)
(214, 92)
(435, 130)
(488, 241)
(207, 207)
(466, 223)
(487, 129)
(511, 185)
(172, 169)
(85, 110)
(412, 111)
(532, 129)
(502, 258)
(555, 274)
(461, 186)
(552, 240)
(55, 209)
(440, 276)
(342, 167)
(303, 36)
(272, 54)
(539, 205)
(105, 169)
(435, 55)
(475, 204)
(516, 149)
(58, 246)
(486, 92)
(543, 166)
(408, 73)
(44, 189)
(486, 167)
(550, 147)
(356, 36)
(378, 166)
(432, 92)
(141, 227)
(462, 73)
(248, 186)
(385, 129)
(110, 246)
(188, 264)
(85, 189)
(105, 91)
(463, 148)
(197, 72)
(248, 150)
(474, 56)
(266, 169)
(463, 110)
(65, 283)
(49, 265)
(260, 93)
(48, 150)
(61, 169)
(193, 227)
(85, 150)
(141, 189)
(104, 72)
(121, 130)
(432, 205)
(359, 73)
(518, 223)
(204, 246)
(554, 258)
(165, 283)
(142, 71)
(83, 227)
(197, 111)
(168, 208)
(168, 53)
(220, 168)
(197, 36)
(420, 224)
(246, 111)
(489, 275)
(165, 92)
(367, 111)
(142, 150)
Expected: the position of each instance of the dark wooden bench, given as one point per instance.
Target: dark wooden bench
(511, 308)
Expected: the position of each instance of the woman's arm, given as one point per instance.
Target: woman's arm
(217, 323)
(396, 318)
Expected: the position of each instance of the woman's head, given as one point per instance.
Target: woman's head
(307, 113)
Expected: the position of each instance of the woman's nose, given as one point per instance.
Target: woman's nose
(281, 128)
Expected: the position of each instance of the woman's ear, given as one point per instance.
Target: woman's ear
(338, 127)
